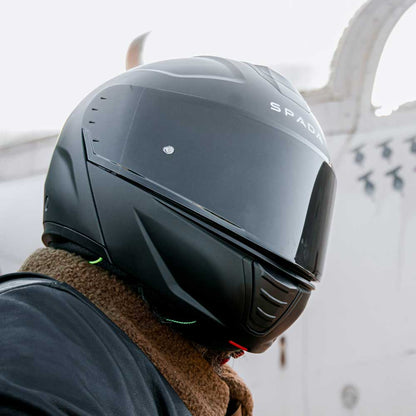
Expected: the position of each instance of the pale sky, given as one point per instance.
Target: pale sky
(395, 81)
(54, 52)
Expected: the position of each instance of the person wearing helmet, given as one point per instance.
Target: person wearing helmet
(186, 215)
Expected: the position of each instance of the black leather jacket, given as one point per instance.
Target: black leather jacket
(60, 355)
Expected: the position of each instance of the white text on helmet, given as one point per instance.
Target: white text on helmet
(289, 113)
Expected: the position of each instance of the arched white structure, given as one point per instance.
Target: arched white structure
(344, 104)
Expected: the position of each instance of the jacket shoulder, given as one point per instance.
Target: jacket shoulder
(61, 355)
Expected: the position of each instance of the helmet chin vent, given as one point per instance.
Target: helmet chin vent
(276, 300)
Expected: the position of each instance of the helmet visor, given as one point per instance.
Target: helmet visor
(266, 183)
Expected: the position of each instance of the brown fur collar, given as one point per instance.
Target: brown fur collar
(203, 391)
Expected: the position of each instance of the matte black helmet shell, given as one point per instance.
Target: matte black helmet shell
(207, 182)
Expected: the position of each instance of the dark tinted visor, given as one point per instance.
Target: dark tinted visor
(256, 180)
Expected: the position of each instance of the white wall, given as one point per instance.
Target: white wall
(20, 220)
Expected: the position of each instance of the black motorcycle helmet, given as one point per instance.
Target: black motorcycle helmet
(205, 182)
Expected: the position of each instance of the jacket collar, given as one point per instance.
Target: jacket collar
(203, 390)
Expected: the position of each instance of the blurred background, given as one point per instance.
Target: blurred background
(353, 352)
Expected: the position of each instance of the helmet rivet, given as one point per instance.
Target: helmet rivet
(168, 150)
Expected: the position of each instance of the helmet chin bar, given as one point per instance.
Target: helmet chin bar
(274, 300)
(276, 303)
